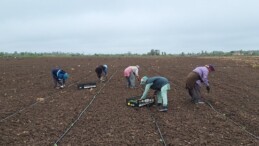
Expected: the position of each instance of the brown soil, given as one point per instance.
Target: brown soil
(32, 112)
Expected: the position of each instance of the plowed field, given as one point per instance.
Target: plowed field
(32, 112)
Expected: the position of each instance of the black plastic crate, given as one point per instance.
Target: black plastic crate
(86, 85)
(135, 102)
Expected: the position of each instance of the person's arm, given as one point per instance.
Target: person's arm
(105, 71)
(136, 72)
(205, 78)
(144, 95)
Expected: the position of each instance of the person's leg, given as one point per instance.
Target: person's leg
(164, 94)
(98, 75)
(191, 93)
(197, 94)
(98, 72)
(55, 82)
(60, 82)
(54, 79)
(132, 80)
(159, 98)
(128, 82)
(102, 78)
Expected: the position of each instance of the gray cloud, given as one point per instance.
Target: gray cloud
(120, 26)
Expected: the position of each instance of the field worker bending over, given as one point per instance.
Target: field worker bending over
(160, 85)
(130, 73)
(59, 78)
(101, 72)
(194, 82)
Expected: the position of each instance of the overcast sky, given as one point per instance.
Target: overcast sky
(121, 26)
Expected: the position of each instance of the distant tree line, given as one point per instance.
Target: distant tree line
(155, 52)
(221, 53)
(152, 52)
(30, 54)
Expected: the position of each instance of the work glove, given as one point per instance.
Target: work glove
(208, 89)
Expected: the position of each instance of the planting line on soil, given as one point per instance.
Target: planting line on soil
(157, 127)
(154, 119)
(36, 76)
(234, 87)
(224, 115)
(19, 111)
(81, 113)
(27, 107)
(241, 82)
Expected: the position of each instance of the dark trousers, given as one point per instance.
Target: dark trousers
(195, 93)
(58, 82)
(131, 80)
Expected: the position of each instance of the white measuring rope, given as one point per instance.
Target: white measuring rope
(157, 126)
(80, 115)
(154, 119)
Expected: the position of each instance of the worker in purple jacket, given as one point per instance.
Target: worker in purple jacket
(195, 79)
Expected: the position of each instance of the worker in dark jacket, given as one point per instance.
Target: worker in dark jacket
(194, 81)
(59, 77)
(160, 85)
(101, 72)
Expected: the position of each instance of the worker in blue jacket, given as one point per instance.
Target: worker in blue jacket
(160, 85)
(59, 77)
